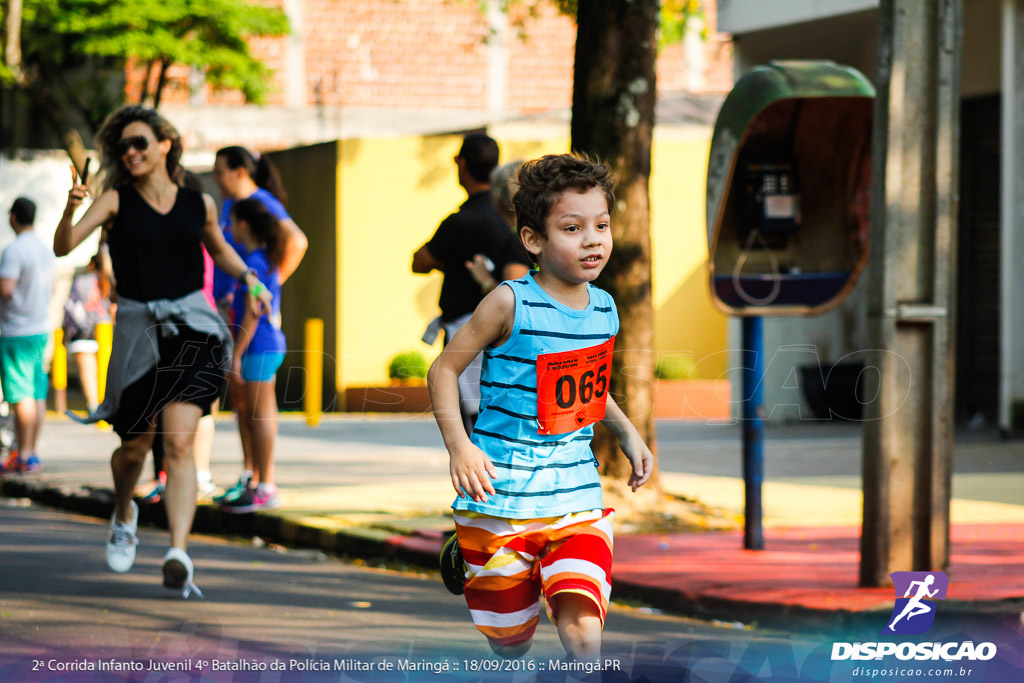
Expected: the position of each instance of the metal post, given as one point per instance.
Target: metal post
(908, 437)
(314, 362)
(59, 372)
(753, 430)
(105, 339)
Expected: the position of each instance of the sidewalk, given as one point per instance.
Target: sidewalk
(378, 487)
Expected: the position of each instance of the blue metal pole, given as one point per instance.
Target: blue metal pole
(753, 430)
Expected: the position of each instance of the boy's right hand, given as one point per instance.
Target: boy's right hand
(472, 472)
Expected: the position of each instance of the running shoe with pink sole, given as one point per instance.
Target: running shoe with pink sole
(263, 497)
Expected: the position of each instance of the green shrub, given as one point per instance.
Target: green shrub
(408, 365)
(674, 367)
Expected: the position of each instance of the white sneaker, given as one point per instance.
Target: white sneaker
(122, 542)
(205, 491)
(178, 572)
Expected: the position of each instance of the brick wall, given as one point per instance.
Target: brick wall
(540, 64)
(433, 54)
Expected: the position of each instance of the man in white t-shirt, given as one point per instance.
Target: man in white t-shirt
(28, 273)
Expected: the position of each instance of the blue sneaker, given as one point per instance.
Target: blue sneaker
(32, 464)
(235, 492)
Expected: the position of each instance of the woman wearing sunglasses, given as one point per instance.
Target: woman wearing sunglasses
(170, 347)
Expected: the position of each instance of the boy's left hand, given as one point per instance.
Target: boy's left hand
(641, 458)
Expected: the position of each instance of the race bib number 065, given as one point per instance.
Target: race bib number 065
(572, 388)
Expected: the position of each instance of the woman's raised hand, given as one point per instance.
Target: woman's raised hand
(77, 193)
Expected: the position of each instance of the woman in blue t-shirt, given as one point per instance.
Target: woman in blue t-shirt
(243, 174)
(259, 351)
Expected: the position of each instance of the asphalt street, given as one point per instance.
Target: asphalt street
(59, 603)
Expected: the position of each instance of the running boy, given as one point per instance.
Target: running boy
(529, 516)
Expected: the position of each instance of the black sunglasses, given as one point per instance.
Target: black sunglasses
(139, 142)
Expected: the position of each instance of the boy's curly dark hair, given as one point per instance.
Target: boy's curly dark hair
(542, 180)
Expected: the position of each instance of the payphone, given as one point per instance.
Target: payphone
(787, 189)
(787, 216)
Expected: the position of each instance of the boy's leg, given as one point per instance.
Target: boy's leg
(579, 626)
(576, 575)
(502, 591)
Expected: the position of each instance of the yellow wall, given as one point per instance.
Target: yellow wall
(309, 176)
(685, 321)
(393, 193)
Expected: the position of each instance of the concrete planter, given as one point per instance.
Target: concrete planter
(680, 399)
(692, 399)
(391, 399)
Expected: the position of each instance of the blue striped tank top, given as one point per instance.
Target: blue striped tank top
(538, 475)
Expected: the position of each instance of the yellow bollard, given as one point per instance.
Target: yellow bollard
(59, 372)
(312, 401)
(105, 338)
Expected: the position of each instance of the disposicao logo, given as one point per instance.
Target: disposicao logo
(914, 613)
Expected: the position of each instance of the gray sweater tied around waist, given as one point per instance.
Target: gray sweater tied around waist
(136, 349)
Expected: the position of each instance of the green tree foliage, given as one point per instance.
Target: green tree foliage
(674, 15)
(211, 35)
(73, 52)
(674, 20)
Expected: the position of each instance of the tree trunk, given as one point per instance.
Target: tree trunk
(12, 34)
(161, 81)
(144, 91)
(613, 119)
(38, 89)
(53, 109)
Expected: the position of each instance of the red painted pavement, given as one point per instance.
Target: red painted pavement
(811, 567)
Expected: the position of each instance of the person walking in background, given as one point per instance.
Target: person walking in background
(87, 306)
(241, 174)
(28, 275)
(515, 261)
(170, 348)
(476, 228)
(259, 351)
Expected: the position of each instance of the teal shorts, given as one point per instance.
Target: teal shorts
(22, 374)
(261, 367)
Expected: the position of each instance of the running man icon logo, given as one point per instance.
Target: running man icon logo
(912, 615)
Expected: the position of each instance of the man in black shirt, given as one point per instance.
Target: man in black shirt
(476, 228)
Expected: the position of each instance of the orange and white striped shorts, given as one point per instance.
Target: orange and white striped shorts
(511, 562)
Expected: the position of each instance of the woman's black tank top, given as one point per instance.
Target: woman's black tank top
(157, 256)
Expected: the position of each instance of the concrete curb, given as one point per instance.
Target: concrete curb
(361, 542)
(421, 549)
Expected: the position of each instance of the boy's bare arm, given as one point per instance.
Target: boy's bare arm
(631, 443)
(471, 470)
